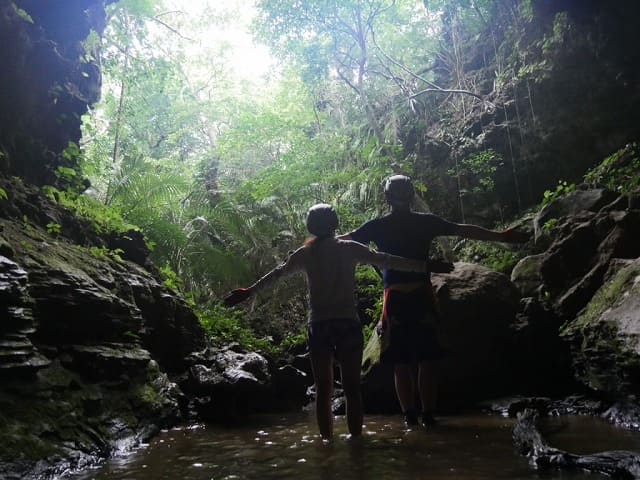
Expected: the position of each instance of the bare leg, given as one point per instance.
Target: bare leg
(350, 367)
(405, 387)
(322, 366)
(428, 385)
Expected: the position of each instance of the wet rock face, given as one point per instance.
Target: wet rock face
(87, 342)
(574, 266)
(584, 286)
(46, 82)
(591, 200)
(605, 338)
(18, 356)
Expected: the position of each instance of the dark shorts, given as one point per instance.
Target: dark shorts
(412, 319)
(338, 335)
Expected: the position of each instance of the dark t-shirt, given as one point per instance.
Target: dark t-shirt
(407, 234)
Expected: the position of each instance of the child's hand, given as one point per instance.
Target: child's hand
(236, 296)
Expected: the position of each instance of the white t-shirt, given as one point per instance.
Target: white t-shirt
(329, 265)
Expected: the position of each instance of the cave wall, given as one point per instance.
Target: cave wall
(47, 81)
(562, 90)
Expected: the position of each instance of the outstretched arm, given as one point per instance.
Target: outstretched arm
(475, 232)
(366, 255)
(293, 264)
(434, 266)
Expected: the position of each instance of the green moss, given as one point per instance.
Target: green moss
(607, 296)
(604, 359)
(144, 395)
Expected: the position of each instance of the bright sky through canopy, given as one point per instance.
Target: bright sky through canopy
(229, 30)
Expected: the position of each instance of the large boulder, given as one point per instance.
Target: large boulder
(605, 337)
(478, 308)
(574, 202)
(228, 383)
(526, 275)
(574, 266)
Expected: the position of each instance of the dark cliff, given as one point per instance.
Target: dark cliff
(88, 334)
(561, 87)
(49, 76)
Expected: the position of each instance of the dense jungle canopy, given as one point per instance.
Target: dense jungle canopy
(220, 123)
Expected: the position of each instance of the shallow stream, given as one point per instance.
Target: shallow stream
(462, 447)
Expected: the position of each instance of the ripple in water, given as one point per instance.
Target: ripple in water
(461, 447)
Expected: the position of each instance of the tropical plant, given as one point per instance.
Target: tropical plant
(619, 172)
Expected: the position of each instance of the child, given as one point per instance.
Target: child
(334, 330)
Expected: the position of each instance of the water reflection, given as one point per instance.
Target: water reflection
(461, 447)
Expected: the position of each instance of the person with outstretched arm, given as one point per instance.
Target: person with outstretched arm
(409, 308)
(334, 331)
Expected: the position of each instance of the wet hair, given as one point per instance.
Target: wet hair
(398, 189)
(322, 220)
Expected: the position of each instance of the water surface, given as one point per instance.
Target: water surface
(460, 447)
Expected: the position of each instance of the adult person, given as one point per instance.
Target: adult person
(334, 331)
(409, 307)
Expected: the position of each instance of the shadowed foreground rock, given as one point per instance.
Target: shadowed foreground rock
(617, 463)
(88, 344)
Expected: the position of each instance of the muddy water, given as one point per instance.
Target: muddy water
(460, 447)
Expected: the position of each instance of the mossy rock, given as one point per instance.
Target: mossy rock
(605, 338)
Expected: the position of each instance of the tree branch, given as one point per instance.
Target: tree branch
(432, 86)
(170, 28)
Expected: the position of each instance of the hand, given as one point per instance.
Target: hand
(236, 296)
(440, 266)
(512, 235)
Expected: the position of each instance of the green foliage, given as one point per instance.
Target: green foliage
(293, 340)
(170, 278)
(549, 224)
(22, 14)
(102, 218)
(477, 171)
(132, 336)
(619, 172)
(561, 189)
(91, 46)
(369, 288)
(218, 176)
(53, 228)
(561, 27)
(490, 255)
(225, 325)
(71, 152)
(105, 253)
(65, 173)
(3, 194)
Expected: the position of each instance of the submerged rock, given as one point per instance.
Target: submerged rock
(228, 385)
(529, 442)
